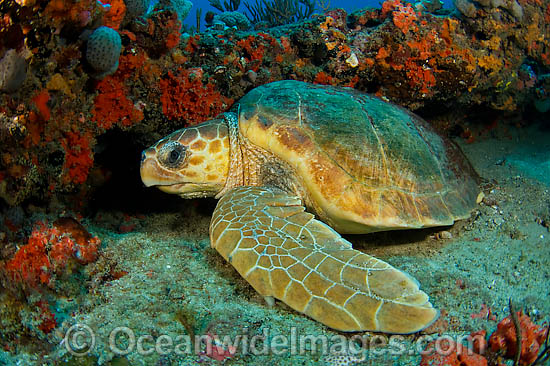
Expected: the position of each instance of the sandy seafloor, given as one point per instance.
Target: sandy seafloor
(174, 277)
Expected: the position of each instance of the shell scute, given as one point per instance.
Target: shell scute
(367, 165)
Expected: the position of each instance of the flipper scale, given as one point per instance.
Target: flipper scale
(284, 252)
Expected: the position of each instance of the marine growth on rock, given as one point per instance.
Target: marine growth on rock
(13, 71)
(136, 8)
(103, 51)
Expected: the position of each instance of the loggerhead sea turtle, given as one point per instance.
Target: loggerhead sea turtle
(357, 163)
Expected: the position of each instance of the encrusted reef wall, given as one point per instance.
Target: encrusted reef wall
(65, 97)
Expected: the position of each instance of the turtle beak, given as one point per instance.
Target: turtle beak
(149, 169)
(152, 174)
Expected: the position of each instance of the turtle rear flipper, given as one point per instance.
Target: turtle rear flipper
(284, 252)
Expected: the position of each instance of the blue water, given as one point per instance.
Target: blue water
(348, 5)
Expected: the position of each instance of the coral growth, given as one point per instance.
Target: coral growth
(41, 102)
(187, 97)
(112, 106)
(45, 270)
(181, 7)
(403, 16)
(31, 264)
(503, 342)
(46, 318)
(504, 339)
(13, 71)
(136, 8)
(116, 9)
(233, 19)
(50, 252)
(278, 12)
(446, 352)
(103, 51)
(253, 48)
(78, 157)
(61, 12)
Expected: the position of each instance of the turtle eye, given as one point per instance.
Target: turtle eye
(172, 154)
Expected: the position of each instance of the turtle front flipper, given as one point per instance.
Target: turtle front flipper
(284, 252)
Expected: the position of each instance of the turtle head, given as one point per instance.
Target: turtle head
(191, 162)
